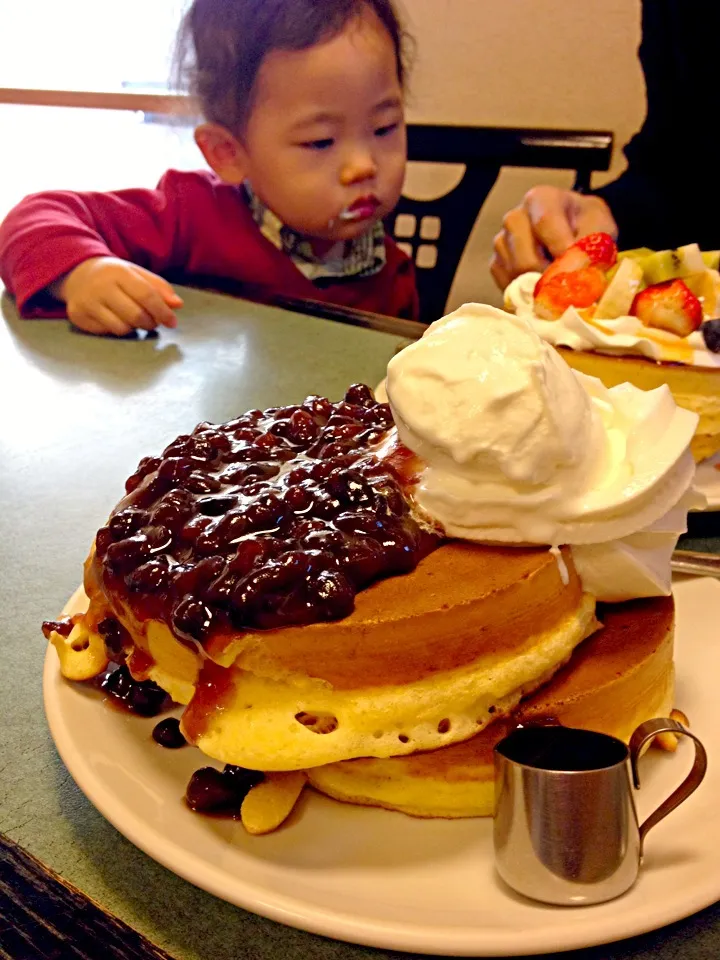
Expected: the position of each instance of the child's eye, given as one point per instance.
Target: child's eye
(324, 144)
(387, 129)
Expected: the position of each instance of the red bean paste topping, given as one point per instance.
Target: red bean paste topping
(278, 517)
(63, 626)
(221, 792)
(142, 697)
(168, 734)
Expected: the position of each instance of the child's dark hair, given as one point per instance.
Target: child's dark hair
(222, 44)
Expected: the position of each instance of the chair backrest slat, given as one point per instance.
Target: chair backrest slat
(483, 151)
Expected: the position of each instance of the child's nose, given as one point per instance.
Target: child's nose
(360, 166)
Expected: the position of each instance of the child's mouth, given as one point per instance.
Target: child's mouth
(361, 209)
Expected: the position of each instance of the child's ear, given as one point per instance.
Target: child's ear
(222, 151)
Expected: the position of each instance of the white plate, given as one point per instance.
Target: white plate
(707, 480)
(386, 880)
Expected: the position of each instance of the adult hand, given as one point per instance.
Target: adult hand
(106, 295)
(542, 227)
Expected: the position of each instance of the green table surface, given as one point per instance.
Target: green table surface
(76, 414)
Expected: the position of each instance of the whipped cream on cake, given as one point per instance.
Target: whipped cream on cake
(622, 336)
(516, 447)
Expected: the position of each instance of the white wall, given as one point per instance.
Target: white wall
(553, 63)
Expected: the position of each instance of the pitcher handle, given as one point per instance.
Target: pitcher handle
(645, 732)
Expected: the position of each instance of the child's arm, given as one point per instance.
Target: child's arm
(95, 252)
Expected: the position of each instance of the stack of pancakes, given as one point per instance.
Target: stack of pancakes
(272, 577)
(425, 659)
(400, 703)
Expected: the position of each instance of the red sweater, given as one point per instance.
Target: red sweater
(192, 222)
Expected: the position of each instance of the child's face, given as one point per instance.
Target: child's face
(325, 144)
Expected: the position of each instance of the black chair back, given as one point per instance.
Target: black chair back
(434, 233)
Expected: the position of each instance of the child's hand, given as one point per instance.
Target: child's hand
(108, 295)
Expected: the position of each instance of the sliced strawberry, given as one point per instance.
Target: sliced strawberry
(594, 250)
(571, 261)
(600, 248)
(669, 306)
(555, 293)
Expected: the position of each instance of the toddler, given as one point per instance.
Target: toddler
(304, 133)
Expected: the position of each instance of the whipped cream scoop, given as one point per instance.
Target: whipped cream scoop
(516, 447)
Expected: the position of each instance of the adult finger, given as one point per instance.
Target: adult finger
(546, 208)
(499, 274)
(592, 215)
(521, 243)
(499, 262)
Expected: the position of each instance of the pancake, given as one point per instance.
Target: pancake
(619, 677)
(424, 659)
(695, 388)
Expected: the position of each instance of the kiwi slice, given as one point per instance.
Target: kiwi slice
(638, 253)
(673, 264)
